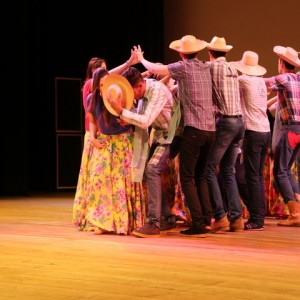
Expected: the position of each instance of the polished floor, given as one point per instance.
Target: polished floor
(43, 256)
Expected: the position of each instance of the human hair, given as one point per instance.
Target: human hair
(133, 75)
(94, 63)
(96, 94)
(287, 65)
(216, 54)
(189, 55)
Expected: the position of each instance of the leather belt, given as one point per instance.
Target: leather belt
(290, 122)
(231, 116)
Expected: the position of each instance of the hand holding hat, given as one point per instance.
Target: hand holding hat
(117, 94)
(115, 98)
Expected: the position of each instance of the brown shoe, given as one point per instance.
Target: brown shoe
(149, 230)
(237, 225)
(221, 225)
(294, 218)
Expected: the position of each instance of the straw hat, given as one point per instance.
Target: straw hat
(188, 44)
(249, 64)
(288, 54)
(219, 44)
(117, 87)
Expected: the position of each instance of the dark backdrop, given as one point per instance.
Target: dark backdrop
(43, 41)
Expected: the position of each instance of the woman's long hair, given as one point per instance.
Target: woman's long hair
(97, 97)
(94, 63)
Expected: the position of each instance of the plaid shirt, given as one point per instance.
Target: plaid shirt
(195, 93)
(158, 109)
(226, 93)
(287, 86)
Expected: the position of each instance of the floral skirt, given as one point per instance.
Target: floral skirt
(80, 194)
(112, 201)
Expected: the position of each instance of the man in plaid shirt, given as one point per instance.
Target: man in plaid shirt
(195, 95)
(287, 86)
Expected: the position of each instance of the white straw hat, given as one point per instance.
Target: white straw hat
(288, 54)
(249, 64)
(219, 44)
(188, 44)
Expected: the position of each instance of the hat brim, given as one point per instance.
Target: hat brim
(226, 49)
(177, 46)
(279, 50)
(249, 70)
(125, 86)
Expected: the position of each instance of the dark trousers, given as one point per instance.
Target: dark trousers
(255, 148)
(194, 153)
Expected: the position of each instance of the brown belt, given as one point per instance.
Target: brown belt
(231, 116)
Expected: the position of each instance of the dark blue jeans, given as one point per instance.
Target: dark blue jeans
(284, 158)
(195, 148)
(255, 147)
(229, 134)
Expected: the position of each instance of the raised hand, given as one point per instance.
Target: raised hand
(138, 51)
(133, 58)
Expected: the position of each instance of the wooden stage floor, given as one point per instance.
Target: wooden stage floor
(43, 256)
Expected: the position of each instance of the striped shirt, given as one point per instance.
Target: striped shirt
(287, 86)
(226, 93)
(195, 93)
(254, 99)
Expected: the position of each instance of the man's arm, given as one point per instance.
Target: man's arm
(154, 68)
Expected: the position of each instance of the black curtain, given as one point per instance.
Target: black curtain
(47, 41)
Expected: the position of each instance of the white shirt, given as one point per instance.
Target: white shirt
(254, 103)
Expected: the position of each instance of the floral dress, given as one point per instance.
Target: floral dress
(113, 201)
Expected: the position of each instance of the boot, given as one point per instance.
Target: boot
(237, 225)
(221, 225)
(294, 218)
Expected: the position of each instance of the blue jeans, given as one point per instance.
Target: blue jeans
(157, 202)
(284, 158)
(255, 147)
(195, 148)
(229, 134)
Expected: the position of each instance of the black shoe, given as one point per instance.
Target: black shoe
(148, 230)
(193, 232)
(249, 226)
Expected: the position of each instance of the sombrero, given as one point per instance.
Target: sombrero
(117, 86)
(188, 44)
(249, 64)
(219, 44)
(288, 54)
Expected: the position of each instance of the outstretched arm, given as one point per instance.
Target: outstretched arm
(130, 62)
(269, 90)
(150, 66)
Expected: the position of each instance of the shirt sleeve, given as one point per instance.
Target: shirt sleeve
(157, 99)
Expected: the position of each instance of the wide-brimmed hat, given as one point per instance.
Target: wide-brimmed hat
(219, 44)
(115, 86)
(249, 64)
(188, 44)
(288, 54)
